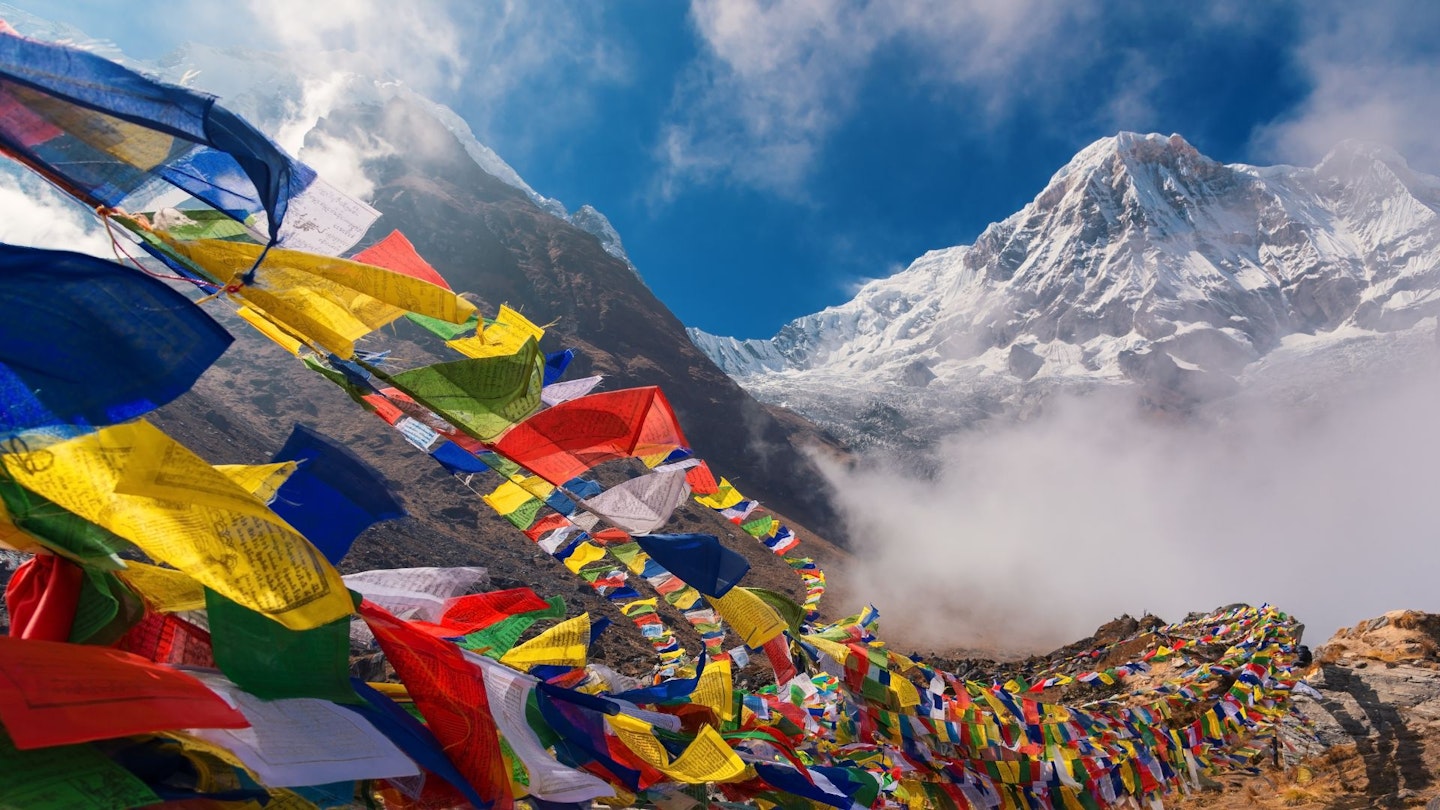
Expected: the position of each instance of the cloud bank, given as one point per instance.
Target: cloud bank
(1031, 535)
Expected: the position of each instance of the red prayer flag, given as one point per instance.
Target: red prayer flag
(57, 694)
(564, 441)
(395, 253)
(545, 525)
(777, 650)
(42, 596)
(607, 537)
(477, 611)
(167, 639)
(450, 693)
(701, 480)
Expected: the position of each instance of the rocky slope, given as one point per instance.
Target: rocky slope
(1367, 730)
(1142, 260)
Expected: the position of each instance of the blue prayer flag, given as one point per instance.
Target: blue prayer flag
(87, 342)
(698, 559)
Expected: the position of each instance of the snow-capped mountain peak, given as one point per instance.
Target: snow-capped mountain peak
(1141, 259)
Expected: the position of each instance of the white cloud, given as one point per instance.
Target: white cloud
(414, 42)
(489, 58)
(1375, 76)
(1034, 534)
(34, 215)
(775, 78)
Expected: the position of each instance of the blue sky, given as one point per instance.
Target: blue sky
(762, 159)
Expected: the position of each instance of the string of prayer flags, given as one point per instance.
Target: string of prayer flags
(139, 483)
(57, 694)
(700, 560)
(86, 342)
(332, 496)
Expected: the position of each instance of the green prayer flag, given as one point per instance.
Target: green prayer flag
(209, 224)
(271, 661)
(483, 396)
(443, 329)
(758, 527)
(105, 611)
(66, 777)
(61, 530)
(792, 613)
(498, 639)
(523, 517)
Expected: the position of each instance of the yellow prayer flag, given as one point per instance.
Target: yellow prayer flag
(723, 498)
(260, 480)
(905, 691)
(503, 337)
(147, 488)
(834, 649)
(755, 621)
(165, 590)
(631, 608)
(507, 497)
(715, 690)
(215, 766)
(655, 460)
(330, 301)
(707, 759)
(565, 644)
(265, 326)
(584, 554)
(283, 268)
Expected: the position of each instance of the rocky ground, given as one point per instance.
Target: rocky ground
(1367, 728)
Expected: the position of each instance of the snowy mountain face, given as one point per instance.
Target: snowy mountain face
(1141, 260)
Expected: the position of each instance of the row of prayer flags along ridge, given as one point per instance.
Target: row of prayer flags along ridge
(180, 635)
